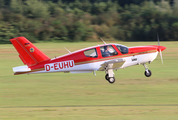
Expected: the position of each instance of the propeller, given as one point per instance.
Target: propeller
(159, 49)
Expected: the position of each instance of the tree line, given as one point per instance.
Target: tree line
(87, 20)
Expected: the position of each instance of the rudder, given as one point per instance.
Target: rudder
(28, 53)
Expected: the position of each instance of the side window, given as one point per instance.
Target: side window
(122, 49)
(91, 53)
(107, 51)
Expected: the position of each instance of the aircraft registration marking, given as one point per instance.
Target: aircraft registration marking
(59, 65)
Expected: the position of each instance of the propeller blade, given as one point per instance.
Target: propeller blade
(159, 49)
(161, 56)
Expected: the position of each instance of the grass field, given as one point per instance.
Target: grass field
(63, 96)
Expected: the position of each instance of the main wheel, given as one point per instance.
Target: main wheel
(107, 77)
(111, 80)
(148, 74)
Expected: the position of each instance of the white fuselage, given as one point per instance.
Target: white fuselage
(69, 66)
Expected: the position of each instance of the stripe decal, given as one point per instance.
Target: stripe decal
(115, 57)
(92, 61)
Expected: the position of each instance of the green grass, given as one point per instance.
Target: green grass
(64, 96)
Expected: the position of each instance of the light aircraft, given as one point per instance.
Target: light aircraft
(106, 57)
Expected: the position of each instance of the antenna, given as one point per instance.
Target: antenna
(67, 50)
(103, 40)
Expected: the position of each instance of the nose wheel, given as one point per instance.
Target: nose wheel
(147, 72)
(110, 79)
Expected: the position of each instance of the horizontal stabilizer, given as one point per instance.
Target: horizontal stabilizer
(21, 69)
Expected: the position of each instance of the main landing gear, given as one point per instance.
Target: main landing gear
(109, 74)
(110, 79)
(147, 72)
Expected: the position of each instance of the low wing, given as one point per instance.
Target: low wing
(112, 64)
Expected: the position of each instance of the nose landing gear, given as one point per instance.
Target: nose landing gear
(147, 72)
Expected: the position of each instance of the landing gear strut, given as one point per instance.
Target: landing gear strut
(147, 72)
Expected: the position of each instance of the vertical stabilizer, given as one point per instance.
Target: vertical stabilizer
(28, 53)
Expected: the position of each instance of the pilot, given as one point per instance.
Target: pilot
(106, 52)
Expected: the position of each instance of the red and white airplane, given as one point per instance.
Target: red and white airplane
(106, 57)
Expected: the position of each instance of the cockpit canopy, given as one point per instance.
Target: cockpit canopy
(106, 51)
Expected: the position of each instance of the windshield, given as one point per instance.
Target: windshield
(123, 49)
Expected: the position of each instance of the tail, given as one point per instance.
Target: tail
(28, 53)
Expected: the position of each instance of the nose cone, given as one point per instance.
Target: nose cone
(161, 48)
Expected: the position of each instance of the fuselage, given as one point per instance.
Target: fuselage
(90, 59)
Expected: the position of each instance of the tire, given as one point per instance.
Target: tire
(107, 77)
(111, 80)
(148, 74)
